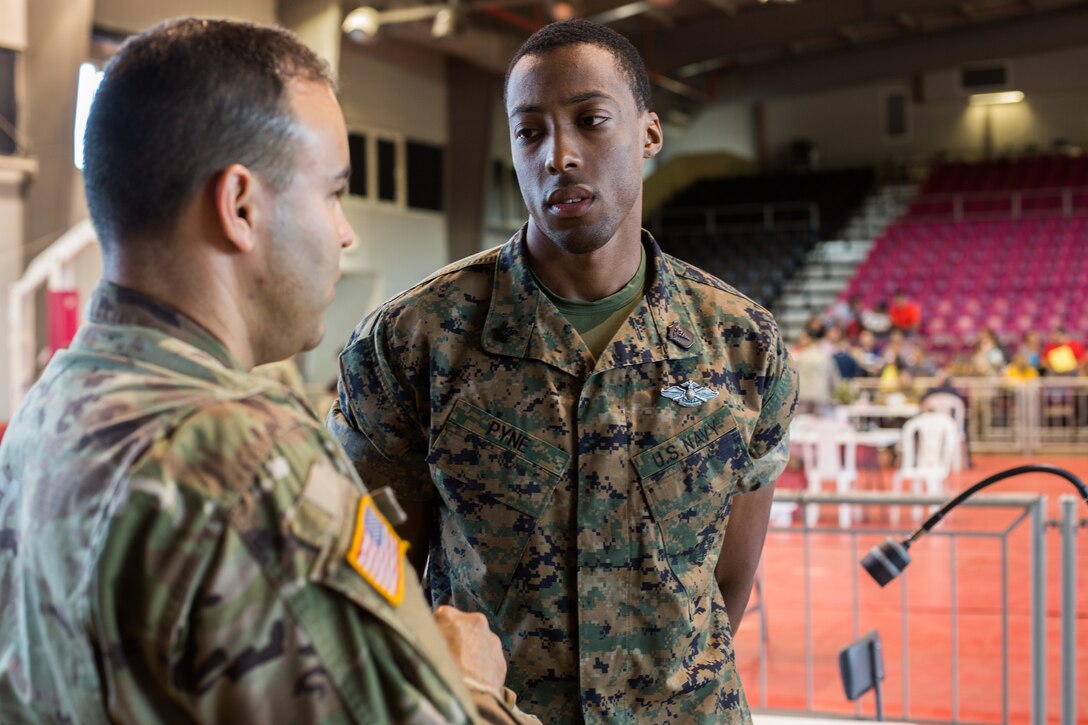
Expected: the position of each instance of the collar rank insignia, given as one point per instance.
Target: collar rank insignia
(377, 553)
(689, 394)
(680, 335)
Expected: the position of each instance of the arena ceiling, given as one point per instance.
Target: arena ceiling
(702, 50)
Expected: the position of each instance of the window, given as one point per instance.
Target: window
(895, 112)
(7, 101)
(991, 76)
(357, 185)
(89, 79)
(387, 170)
(425, 168)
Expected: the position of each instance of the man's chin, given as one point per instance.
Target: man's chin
(315, 339)
(578, 241)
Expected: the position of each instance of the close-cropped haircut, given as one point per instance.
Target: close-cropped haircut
(579, 31)
(178, 104)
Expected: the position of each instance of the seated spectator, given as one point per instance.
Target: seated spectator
(815, 328)
(943, 384)
(988, 358)
(846, 315)
(817, 376)
(1031, 348)
(1019, 370)
(839, 346)
(905, 314)
(914, 360)
(1062, 355)
(897, 386)
(877, 320)
(867, 354)
(896, 349)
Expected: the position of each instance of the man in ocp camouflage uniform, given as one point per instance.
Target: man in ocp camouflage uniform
(574, 417)
(181, 541)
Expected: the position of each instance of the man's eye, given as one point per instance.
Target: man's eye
(525, 133)
(593, 120)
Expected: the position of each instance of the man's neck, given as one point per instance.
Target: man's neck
(585, 277)
(200, 294)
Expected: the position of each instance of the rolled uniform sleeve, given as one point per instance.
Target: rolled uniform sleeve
(373, 418)
(769, 444)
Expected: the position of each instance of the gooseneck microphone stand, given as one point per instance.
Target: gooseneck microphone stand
(887, 561)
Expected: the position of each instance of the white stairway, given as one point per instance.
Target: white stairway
(830, 265)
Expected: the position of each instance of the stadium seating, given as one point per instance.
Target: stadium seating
(988, 262)
(754, 231)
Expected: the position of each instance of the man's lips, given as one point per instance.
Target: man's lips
(570, 201)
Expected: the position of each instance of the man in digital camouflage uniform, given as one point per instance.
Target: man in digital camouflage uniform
(573, 417)
(181, 541)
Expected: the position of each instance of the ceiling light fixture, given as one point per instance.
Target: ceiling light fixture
(996, 99)
(561, 9)
(447, 22)
(362, 24)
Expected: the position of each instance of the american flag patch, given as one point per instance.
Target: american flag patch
(377, 553)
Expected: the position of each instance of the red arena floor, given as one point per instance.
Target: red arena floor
(977, 604)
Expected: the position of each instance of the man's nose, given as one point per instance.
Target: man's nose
(344, 229)
(563, 154)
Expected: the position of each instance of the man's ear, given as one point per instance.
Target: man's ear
(237, 199)
(651, 145)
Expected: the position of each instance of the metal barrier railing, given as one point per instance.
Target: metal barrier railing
(999, 204)
(771, 216)
(1047, 415)
(1028, 515)
(1070, 524)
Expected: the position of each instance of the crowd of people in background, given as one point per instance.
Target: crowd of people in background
(887, 342)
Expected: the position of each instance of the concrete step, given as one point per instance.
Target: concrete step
(831, 269)
(818, 301)
(853, 251)
(793, 318)
(817, 285)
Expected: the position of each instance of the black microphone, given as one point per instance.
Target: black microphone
(888, 560)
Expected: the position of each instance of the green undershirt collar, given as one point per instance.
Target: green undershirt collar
(597, 321)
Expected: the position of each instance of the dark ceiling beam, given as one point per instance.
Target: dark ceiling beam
(902, 57)
(774, 24)
(486, 49)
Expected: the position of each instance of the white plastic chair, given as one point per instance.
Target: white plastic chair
(930, 441)
(830, 454)
(954, 406)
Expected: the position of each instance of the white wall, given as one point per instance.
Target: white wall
(394, 87)
(721, 127)
(13, 33)
(846, 124)
(13, 27)
(11, 264)
(505, 211)
(136, 15)
(355, 292)
(397, 90)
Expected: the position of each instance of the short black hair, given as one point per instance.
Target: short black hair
(579, 31)
(178, 104)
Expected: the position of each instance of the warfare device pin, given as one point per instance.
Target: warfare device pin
(689, 394)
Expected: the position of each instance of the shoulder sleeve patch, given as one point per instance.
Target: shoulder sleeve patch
(377, 553)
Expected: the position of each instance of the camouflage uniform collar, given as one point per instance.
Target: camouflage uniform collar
(523, 322)
(112, 304)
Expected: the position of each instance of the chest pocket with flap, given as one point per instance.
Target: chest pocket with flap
(496, 480)
(688, 480)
